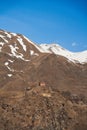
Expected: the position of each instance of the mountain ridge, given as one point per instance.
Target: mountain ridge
(80, 57)
(43, 66)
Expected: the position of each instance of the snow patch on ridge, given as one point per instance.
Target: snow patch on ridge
(14, 34)
(15, 53)
(3, 37)
(6, 64)
(9, 75)
(11, 61)
(8, 35)
(33, 53)
(1, 45)
(20, 40)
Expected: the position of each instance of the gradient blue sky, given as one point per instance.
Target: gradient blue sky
(47, 21)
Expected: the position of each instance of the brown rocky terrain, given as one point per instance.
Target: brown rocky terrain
(40, 91)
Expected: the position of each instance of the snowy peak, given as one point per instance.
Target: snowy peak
(51, 48)
(78, 57)
(55, 48)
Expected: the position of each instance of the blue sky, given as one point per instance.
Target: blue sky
(47, 21)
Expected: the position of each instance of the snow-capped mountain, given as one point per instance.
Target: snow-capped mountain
(21, 47)
(80, 57)
(19, 55)
(17, 45)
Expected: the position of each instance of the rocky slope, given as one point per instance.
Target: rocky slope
(42, 87)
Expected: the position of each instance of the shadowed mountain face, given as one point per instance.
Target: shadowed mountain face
(40, 87)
